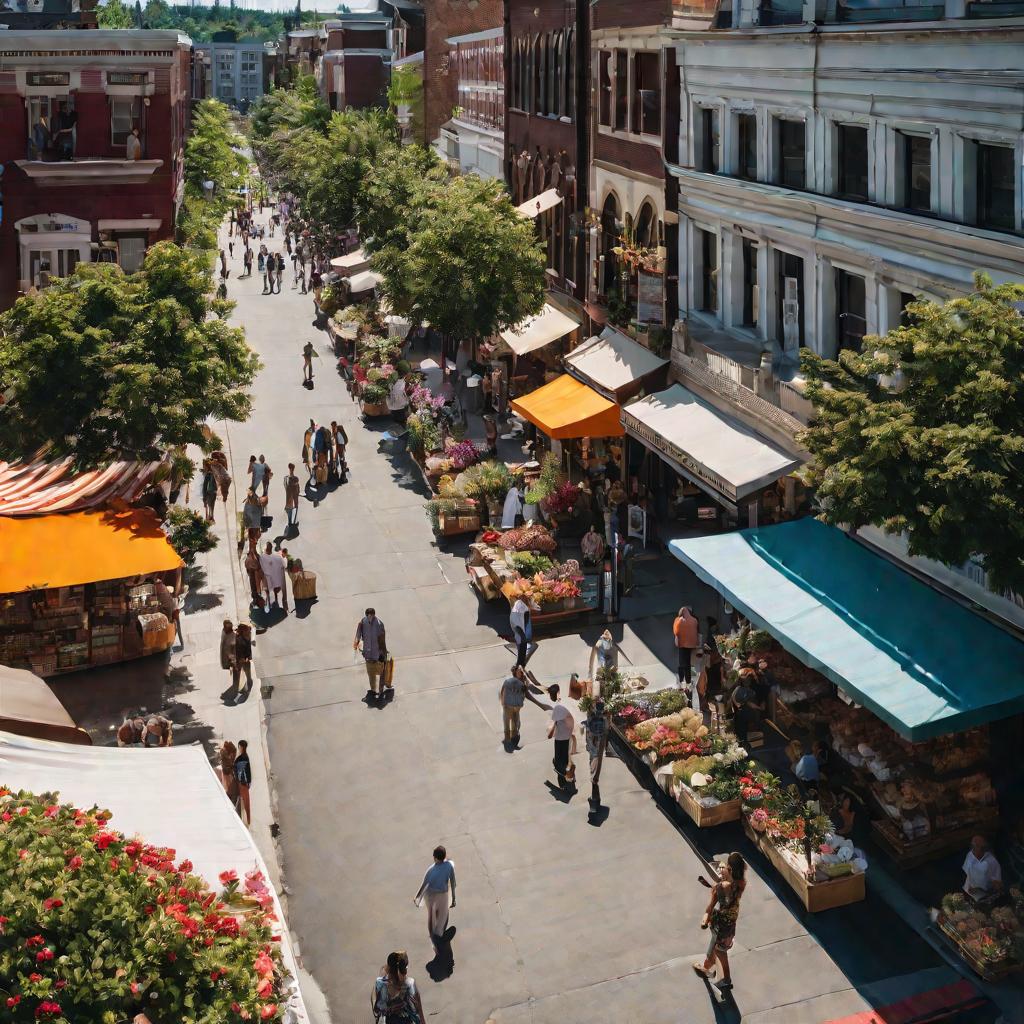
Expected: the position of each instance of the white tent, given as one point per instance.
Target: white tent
(170, 796)
(535, 332)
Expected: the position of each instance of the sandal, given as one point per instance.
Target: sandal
(704, 972)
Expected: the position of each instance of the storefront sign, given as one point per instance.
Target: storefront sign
(650, 304)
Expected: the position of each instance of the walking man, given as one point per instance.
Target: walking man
(307, 362)
(560, 730)
(291, 497)
(370, 632)
(516, 689)
(266, 475)
(595, 734)
(685, 629)
(436, 882)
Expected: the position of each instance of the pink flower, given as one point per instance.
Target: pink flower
(264, 988)
(135, 988)
(268, 1011)
(52, 811)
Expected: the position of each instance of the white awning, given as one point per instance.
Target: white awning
(351, 263)
(169, 796)
(547, 326)
(364, 282)
(612, 361)
(715, 451)
(540, 204)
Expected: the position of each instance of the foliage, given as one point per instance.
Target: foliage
(424, 433)
(545, 484)
(200, 23)
(189, 533)
(437, 507)
(485, 481)
(747, 641)
(115, 14)
(99, 927)
(374, 392)
(939, 457)
(562, 499)
(406, 85)
(212, 154)
(782, 813)
(137, 360)
(528, 563)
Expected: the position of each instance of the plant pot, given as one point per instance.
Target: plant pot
(494, 511)
(374, 408)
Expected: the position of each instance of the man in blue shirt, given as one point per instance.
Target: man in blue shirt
(436, 882)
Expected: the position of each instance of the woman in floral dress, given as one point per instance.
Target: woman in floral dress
(720, 917)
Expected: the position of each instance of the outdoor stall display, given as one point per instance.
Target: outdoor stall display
(379, 365)
(990, 937)
(76, 590)
(825, 870)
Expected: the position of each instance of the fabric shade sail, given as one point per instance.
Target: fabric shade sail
(547, 326)
(612, 361)
(920, 661)
(28, 707)
(565, 408)
(352, 263)
(539, 204)
(365, 281)
(82, 547)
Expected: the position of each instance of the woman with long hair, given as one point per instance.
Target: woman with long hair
(396, 1000)
(720, 916)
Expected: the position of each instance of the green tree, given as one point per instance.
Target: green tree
(115, 14)
(212, 154)
(923, 431)
(158, 14)
(137, 360)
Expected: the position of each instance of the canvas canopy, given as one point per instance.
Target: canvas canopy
(540, 204)
(566, 408)
(612, 361)
(535, 332)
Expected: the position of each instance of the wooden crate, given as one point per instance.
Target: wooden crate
(815, 896)
(706, 817)
(455, 524)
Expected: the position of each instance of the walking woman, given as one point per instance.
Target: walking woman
(243, 778)
(228, 753)
(720, 917)
(396, 1000)
(436, 882)
(209, 490)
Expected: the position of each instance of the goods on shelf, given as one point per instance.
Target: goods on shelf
(989, 938)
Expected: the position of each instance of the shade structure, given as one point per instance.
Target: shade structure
(923, 663)
(82, 547)
(540, 204)
(709, 447)
(169, 796)
(351, 263)
(535, 332)
(365, 281)
(29, 488)
(29, 707)
(566, 408)
(612, 361)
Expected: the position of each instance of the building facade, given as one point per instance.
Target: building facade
(71, 193)
(25, 15)
(472, 140)
(234, 69)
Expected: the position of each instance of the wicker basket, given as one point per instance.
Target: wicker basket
(303, 585)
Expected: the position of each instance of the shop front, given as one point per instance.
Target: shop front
(50, 245)
(709, 468)
(78, 589)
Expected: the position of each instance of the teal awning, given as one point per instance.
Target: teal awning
(923, 663)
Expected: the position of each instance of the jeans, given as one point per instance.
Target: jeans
(293, 516)
(685, 654)
(561, 759)
(236, 674)
(524, 647)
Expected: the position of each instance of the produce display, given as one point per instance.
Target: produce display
(560, 582)
(718, 776)
(991, 939)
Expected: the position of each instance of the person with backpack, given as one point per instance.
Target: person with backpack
(396, 1000)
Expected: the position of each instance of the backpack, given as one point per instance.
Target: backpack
(394, 1008)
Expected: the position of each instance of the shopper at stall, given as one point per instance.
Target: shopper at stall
(561, 731)
(721, 916)
(983, 877)
(159, 731)
(370, 632)
(742, 703)
(515, 690)
(592, 546)
(398, 401)
(512, 513)
(440, 877)
(243, 777)
(595, 733)
(604, 654)
(521, 621)
(685, 631)
(805, 764)
(618, 505)
(130, 732)
(712, 656)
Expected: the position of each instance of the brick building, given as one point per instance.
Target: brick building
(449, 19)
(71, 191)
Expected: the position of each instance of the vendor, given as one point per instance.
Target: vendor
(805, 765)
(512, 512)
(983, 877)
(592, 545)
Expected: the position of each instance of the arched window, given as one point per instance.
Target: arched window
(610, 230)
(646, 232)
(569, 70)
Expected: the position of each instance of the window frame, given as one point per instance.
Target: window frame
(841, 176)
(637, 114)
(983, 171)
(134, 117)
(780, 120)
(620, 108)
(745, 118)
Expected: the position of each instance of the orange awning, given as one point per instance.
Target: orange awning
(566, 408)
(81, 547)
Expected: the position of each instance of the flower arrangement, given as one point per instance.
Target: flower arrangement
(98, 926)
(672, 736)
(527, 563)
(787, 820)
(538, 590)
(562, 499)
(423, 399)
(631, 714)
(462, 454)
(527, 538)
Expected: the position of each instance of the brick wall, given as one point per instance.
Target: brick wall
(635, 156)
(446, 18)
(631, 13)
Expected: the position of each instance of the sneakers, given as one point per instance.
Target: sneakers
(724, 984)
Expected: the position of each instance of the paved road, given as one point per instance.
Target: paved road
(557, 919)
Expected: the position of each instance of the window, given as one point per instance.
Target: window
(789, 300)
(707, 293)
(604, 85)
(905, 299)
(852, 161)
(750, 290)
(646, 94)
(48, 78)
(570, 73)
(621, 90)
(791, 169)
(996, 195)
(851, 310)
(916, 153)
(126, 78)
(746, 146)
(124, 116)
(708, 142)
(131, 250)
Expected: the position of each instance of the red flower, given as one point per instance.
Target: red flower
(133, 849)
(59, 983)
(134, 986)
(52, 811)
(7, 816)
(171, 955)
(75, 863)
(228, 876)
(268, 1011)
(185, 867)
(13, 1001)
(264, 988)
(114, 864)
(48, 1008)
(36, 940)
(51, 903)
(3, 921)
(44, 955)
(104, 839)
(35, 977)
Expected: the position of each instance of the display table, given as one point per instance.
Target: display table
(704, 816)
(908, 853)
(815, 896)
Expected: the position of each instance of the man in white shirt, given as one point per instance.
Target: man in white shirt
(560, 730)
(983, 876)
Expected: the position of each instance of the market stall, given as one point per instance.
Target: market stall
(77, 589)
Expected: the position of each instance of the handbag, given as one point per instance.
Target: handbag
(387, 676)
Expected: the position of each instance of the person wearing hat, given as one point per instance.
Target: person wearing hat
(595, 734)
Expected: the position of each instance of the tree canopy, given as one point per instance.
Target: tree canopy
(212, 154)
(115, 14)
(923, 431)
(137, 361)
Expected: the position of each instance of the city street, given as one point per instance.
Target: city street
(558, 919)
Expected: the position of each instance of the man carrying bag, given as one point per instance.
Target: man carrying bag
(379, 667)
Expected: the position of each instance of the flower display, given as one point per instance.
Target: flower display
(159, 940)
(682, 734)
(562, 499)
(994, 936)
(462, 454)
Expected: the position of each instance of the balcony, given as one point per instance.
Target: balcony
(86, 170)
